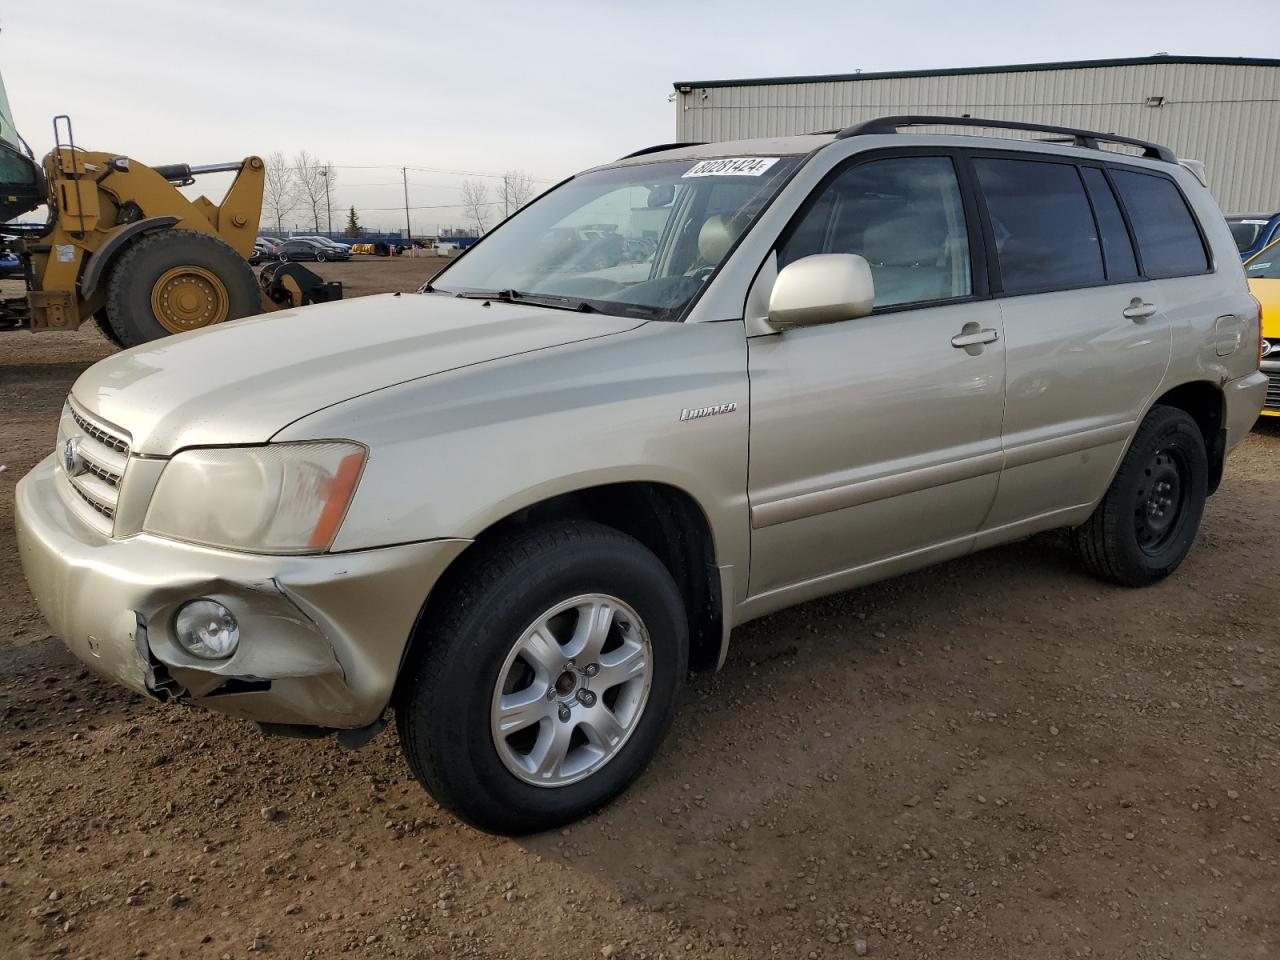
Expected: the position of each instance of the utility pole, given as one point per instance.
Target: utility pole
(408, 229)
(506, 192)
(328, 210)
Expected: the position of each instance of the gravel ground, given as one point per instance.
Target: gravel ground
(998, 757)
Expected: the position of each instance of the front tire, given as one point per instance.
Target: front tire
(1147, 521)
(174, 281)
(545, 679)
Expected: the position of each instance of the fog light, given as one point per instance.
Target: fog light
(206, 629)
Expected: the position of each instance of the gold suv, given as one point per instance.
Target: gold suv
(674, 393)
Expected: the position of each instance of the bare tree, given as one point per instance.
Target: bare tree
(475, 201)
(517, 190)
(279, 191)
(309, 176)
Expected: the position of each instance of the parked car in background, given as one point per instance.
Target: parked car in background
(10, 265)
(298, 248)
(336, 244)
(1253, 231)
(262, 250)
(520, 506)
(1263, 273)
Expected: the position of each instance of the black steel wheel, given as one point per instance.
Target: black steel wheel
(1161, 500)
(1145, 524)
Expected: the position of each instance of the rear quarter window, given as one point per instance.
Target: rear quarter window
(1169, 242)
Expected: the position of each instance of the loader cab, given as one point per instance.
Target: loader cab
(21, 180)
(21, 183)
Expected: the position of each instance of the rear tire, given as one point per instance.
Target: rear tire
(479, 648)
(198, 269)
(1147, 521)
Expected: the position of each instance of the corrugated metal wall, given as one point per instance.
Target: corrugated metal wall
(1225, 115)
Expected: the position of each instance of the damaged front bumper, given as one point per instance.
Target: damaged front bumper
(321, 637)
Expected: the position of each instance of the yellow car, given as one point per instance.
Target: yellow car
(1263, 271)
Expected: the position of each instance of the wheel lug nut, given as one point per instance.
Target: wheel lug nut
(586, 698)
(564, 713)
(592, 669)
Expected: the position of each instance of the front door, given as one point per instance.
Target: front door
(878, 439)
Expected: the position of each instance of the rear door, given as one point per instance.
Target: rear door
(1087, 334)
(878, 439)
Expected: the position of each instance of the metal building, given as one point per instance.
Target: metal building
(1223, 111)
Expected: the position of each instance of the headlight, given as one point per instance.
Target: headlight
(281, 498)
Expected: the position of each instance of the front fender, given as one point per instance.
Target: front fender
(461, 450)
(95, 267)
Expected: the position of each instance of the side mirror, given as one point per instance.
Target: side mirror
(823, 288)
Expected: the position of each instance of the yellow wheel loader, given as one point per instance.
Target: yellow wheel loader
(124, 246)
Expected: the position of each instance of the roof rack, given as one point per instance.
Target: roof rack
(1081, 138)
(659, 147)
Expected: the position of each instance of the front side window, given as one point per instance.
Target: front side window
(1168, 240)
(1045, 234)
(905, 216)
(641, 239)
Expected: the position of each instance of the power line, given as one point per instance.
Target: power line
(433, 206)
(457, 173)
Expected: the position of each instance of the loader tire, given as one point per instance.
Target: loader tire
(175, 281)
(103, 323)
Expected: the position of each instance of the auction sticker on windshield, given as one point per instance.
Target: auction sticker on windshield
(731, 167)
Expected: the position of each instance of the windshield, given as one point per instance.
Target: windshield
(635, 240)
(1265, 265)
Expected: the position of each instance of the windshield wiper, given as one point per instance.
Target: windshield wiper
(504, 295)
(535, 299)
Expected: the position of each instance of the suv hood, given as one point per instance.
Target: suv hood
(242, 382)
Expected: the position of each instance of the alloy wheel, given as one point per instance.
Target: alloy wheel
(571, 690)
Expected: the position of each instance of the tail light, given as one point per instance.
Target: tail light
(1257, 314)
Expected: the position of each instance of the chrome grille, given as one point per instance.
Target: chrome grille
(92, 458)
(103, 436)
(1273, 390)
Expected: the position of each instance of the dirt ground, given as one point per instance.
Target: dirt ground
(995, 758)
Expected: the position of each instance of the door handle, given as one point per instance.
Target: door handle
(1139, 310)
(977, 338)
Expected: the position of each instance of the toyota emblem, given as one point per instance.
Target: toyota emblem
(71, 457)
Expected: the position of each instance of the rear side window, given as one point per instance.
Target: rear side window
(1045, 236)
(1117, 249)
(1168, 240)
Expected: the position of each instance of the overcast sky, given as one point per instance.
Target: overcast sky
(546, 87)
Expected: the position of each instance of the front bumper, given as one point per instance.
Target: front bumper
(321, 637)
